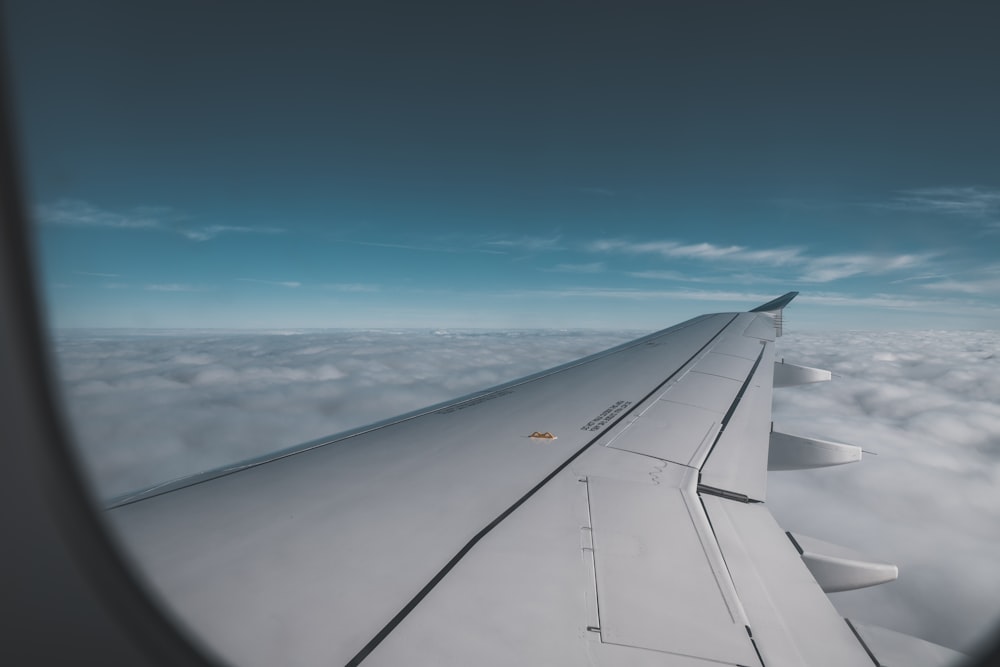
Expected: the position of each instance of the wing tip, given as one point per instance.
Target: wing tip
(775, 305)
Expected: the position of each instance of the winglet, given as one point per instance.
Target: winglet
(774, 308)
(775, 304)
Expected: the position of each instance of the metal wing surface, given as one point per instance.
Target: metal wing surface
(463, 534)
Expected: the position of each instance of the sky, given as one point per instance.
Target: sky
(521, 165)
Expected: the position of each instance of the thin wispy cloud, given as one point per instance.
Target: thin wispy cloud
(729, 278)
(836, 267)
(275, 283)
(922, 276)
(421, 248)
(980, 281)
(702, 251)
(810, 268)
(352, 287)
(591, 267)
(894, 301)
(77, 213)
(968, 201)
(662, 275)
(174, 287)
(528, 243)
(213, 231)
(981, 286)
(94, 274)
(635, 294)
(881, 301)
(82, 214)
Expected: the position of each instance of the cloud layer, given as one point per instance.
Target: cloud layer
(926, 403)
(77, 213)
(147, 408)
(153, 407)
(810, 268)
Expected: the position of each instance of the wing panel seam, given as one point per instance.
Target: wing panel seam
(733, 406)
(862, 642)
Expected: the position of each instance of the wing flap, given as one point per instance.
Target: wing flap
(656, 584)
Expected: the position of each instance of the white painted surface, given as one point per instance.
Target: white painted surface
(709, 392)
(656, 588)
(670, 431)
(725, 365)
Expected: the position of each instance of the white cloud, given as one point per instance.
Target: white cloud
(222, 397)
(633, 294)
(174, 287)
(661, 275)
(591, 267)
(528, 243)
(423, 248)
(276, 283)
(835, 267)
(967, 201)
(97, 275)
(212, 231)
(926, 403)
(811, 268)
(704, 251)
(973, 286)
(878, 300)
(147, 408)
(78, 213)
(740, 278)
(975, 281)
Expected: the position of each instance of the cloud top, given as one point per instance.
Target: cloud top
(152, 407)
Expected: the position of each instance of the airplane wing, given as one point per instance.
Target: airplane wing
(609, 511)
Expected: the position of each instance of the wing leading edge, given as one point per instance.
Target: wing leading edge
(638, 535)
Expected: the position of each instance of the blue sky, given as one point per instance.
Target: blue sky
(537, 165)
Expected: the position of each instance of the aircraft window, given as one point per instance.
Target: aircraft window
(254, 227)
